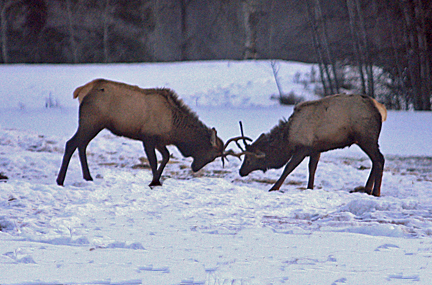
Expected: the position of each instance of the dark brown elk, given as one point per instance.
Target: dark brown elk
(317, 126)
(157, 117)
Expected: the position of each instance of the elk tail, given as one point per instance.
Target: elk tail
(382, 109)
(83, 91)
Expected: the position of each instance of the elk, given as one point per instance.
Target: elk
(157, 117)
(333, 122)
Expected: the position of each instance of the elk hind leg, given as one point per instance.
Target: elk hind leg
(85, 135)
(378, 174)
(71, 146)
(80, 140)
(373, 184)
(84, 165)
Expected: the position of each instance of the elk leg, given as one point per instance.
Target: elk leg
(149, 149)
(295, 160)
(378, 173)
(80, 140)
(375, 176)
(85, 136)
(165, 158)
(84, 164)
(313, 163)
(71, 146)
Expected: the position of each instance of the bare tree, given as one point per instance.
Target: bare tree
(325, 76)
(356, 44)
(184, 4)
(71, 28)
(275, 68)
(425, 64)
(106, 23)
(5, 8)
(365, 50)
(400, 97)
(3, 18)
(418, 62)
(250, 18)
(325, 42)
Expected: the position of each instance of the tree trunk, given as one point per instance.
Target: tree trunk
(413, 64)
(184, 29)
(4, 7)
(73, 43)
(327, 49)
(356, 45)
(4, 38)
(401, 93)
(275, 69)
(105, 31)
(364, 52)
(318, 49)
(249, 12)
(271, 54)
(425, 69)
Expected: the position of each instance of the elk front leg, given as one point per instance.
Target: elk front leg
(165, 158)
(313, 163)
(295, 160)
(149, 149)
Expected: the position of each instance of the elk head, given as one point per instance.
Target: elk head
(260, 155)
(255, 157)
(206, 155)
(225, 152)
(252, 154)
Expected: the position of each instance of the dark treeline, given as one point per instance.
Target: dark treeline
(394, 36)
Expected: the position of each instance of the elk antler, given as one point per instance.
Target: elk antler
(231, 152)
(239, 154)
(236, 139)
(242, 133)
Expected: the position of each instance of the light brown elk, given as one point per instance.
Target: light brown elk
(317, 126)
(157, 117)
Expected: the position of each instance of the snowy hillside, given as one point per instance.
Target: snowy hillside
(209, 227)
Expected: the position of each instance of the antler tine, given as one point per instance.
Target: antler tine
(242, 133)
(236, 139)
(239, 154)
(231, 152)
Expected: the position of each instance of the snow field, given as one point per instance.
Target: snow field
(209, 227)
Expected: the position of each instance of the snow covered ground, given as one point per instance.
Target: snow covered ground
(209, 227)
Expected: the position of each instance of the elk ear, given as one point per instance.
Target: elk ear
(213, 137)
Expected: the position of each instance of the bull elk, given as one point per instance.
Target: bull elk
(157, 117)
(317, 126)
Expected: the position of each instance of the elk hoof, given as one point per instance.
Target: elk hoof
(361, 189)
(155, 183)
(88, 178)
